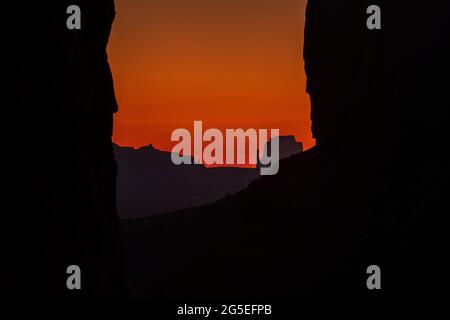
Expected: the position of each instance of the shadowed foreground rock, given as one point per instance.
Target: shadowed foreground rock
(60, 170)
(373, 191)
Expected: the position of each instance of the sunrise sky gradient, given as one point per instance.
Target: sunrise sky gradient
(229, 63)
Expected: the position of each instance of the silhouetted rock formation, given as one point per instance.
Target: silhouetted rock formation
(372, 192)
(60, 171)
(149, 183)
(288, 147)
(380, 100)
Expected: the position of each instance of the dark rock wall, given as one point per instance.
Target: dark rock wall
(60, 167)
(378, 96)
(377, 86)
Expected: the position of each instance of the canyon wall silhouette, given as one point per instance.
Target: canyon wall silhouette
(59, 173)
(373, 191)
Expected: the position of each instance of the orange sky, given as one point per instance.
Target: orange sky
(229, 63)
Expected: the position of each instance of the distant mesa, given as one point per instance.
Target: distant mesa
(288, 147)
(148, 183)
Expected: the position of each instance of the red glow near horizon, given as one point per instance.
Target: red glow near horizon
(231, 64)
